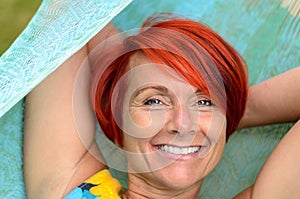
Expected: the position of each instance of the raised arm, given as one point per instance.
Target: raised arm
(276, 100)
(55, 158)
(280, 176)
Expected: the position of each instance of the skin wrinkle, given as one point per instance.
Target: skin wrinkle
(147, 161)
(53, 150)
(179, 115)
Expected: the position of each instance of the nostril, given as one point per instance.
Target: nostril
(182, 132)
(173, 132)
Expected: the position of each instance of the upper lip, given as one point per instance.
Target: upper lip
(179, 146)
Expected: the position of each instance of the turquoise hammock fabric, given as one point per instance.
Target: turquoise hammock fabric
(266, 34)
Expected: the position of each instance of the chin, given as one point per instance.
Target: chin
(181, 175)
(176, 178)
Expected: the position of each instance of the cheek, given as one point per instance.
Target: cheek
(129, 143)
(135, 145)
(140, 118)
(213, 125)
(142, 123)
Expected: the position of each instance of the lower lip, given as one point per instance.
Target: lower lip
(178, 157)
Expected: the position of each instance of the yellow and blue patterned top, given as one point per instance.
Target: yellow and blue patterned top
(100, 186)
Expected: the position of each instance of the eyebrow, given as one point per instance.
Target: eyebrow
(159, 88)
(198, 91)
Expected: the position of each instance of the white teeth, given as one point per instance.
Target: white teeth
(179, 150)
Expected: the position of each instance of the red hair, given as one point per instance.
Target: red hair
(195, 51)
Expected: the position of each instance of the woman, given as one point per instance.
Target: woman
(173, 108)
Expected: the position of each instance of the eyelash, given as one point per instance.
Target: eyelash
(156, 102)
(151, 101)
(204, 103)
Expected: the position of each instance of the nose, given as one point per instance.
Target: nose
(182, 121)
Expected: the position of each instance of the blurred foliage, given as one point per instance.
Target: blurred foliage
(14, 17)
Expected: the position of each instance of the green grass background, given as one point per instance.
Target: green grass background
(14, 16)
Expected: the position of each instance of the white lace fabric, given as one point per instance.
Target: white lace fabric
(57, 31)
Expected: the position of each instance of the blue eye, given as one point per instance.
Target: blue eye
(204, 103)
(153, 101)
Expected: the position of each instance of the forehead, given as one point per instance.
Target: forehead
(143, 72)
(137, 59)
(141, 67)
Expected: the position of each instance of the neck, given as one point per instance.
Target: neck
(140, 188)
(135, 195)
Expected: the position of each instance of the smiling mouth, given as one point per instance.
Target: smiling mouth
(179, 150)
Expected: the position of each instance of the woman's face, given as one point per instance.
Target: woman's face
(174, 134)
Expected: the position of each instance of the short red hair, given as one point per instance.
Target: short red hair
(192, 49)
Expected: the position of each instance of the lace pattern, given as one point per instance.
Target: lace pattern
(56, 32)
